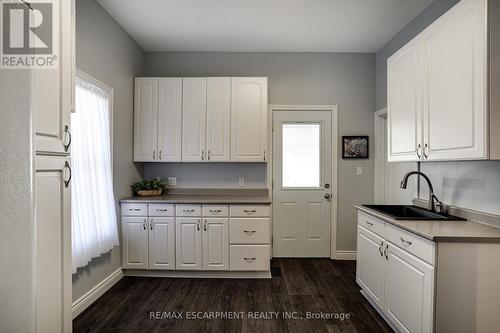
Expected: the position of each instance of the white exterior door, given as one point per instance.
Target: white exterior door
(53, 245)
(302, 176)
(216, 244)
(370, 264)
(218, 119)
(194, 112)
(455, 98)
(404, 109)
(188, 243)
(169, 119)
(409, 290)
(162, 243)
(145, 119)
(249, 119)
(134, 242)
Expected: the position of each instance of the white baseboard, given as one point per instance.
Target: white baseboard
(93, 294)
(345, 255)
(199, 274)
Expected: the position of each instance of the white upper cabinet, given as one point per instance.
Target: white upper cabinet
(249, 119)
(218, 119)
(455, 95)
(404, 130)
(169, 119)
(145, 119)
(194, 113)
(53, 90)
(441, 113)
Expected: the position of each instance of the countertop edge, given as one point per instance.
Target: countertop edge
(238, 200)
(434, 238)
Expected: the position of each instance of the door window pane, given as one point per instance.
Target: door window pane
(301, 155)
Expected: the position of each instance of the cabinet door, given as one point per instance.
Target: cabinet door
(52, 90)
(409, 290)
(248, 119)
(53, 245)
(370, 264)
(169, 119)
(145, 119)
(194, 112)
(188, 244)
(455, 112)
(404, 109)
(162, 243)
(216, 244)
(218, 119)
(134, 242)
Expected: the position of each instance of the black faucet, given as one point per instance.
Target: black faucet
(432, 196)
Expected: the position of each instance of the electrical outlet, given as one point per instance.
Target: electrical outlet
(172, 181)
(241, 182)
(359, 171)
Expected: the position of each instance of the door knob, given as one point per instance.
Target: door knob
(328, 196)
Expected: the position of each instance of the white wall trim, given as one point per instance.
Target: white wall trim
(93, 294)
(345, 255)
(335, 160)
(199, 274)
(380, 163)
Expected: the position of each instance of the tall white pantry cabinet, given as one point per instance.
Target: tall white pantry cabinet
(200, 119)
(53, 100)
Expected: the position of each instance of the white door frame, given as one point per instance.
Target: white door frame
(380, 163)
(334, 110)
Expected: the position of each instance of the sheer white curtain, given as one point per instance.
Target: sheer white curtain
(93, 215)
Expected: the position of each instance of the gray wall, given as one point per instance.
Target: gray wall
(17, 226)
(471, 184)
(106, 52)
(298, 78)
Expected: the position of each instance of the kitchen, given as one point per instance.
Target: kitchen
(267, 206)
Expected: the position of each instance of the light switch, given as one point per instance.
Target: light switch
(241, 182)
(172, 181)
(359, 171)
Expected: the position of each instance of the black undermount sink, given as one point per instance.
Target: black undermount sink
(408, 212)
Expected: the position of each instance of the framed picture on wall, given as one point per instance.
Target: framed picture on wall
(354, 147)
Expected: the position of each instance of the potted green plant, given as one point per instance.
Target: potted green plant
(149, 187)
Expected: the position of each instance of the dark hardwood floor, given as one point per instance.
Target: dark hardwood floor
(298, 285)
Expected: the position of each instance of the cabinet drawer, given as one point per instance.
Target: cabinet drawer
(416, 245)
(134, 209)
(371, 223)
(249, 231)
(188, 210)
(161, 210)
(249, 257)
(250, 210)
(215, 210)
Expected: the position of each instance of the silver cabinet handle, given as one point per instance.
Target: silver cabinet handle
(162, 210)
(68, 167)
(369, 223)
(203, 155)
(426, 151)
(144, 224)
(134, 209)
(215, 211)
(66, 130)
(407, 242)
(188, 210)
(198, 225)
(249, 260)
(151, 224)
(385, 251)
(205, 226)
(159, 155)
(264, 154)
(249, 211)
(208, 154)
(154, 154)
(380, 248)
(249, 232)
(419, 151)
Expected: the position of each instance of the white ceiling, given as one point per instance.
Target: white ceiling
(263, 25)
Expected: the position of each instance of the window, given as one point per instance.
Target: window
(301, 155)
(93, 214)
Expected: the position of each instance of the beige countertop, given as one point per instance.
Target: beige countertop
(443, 231)
(212, 196)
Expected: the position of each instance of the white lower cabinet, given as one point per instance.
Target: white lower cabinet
(398, 282)
(162, 243)
(215, 244)
(134, 242)
(188, 243)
